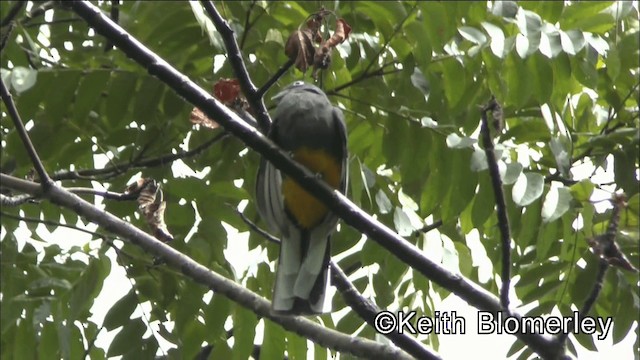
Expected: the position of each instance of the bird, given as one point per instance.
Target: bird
(313, 132)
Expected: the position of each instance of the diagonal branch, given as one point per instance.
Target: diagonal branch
(237, 63)
(325, 337)
(496, 182)
(474, 294)
(45, 180)
(264, 88)
(13, 12)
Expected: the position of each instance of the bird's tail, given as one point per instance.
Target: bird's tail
(302, 276)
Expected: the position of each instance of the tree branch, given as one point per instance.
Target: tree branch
(496, 182)
(365, 75)
(31, 187)
(53, 223)
(13, 12)
(16, 200)
(91, 174)
(218, 283)
(45, 180)
(237, 63)
(396, 30)
(474, 294)
(264, 88)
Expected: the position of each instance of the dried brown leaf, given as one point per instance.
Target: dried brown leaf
(197, 117)
(152, 207)
(300, 48)
(340, 35)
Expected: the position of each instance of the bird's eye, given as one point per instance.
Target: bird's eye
(298, 83)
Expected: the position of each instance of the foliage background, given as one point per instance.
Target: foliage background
(567, 76)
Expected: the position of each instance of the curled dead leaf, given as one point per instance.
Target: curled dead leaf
(300, 48)
(151, 206)
(340, 35)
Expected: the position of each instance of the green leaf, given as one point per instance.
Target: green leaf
(24, 339)
(506, 9)
(59, 98)
(582, 190)
(244, 331)
(296, 346)
(472, 34)
(561, 154)
(88, 286)
(518, 91)
(497, 39)
(22, 78)
(527, 188)
(511, 174)
(119, 96)
(384, 204)
(89, 92)
(456, 82)
(128, 338)
(273, 344)
(146, 105)
(48, 344)
(420, 82)
(484, 202)
(402, 222)
(456, 142)
(121, 311)
(543, 81)
(556, 203)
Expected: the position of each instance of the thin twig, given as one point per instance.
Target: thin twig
(53, 223)
(105, 194)
(503, 220)
(396, 30)
(117, 169)
(45, 180)
(427, 228)
(283, 69)
(247, 24)
(239, 68)
(16, 200)
(365, 75)
(92, 343)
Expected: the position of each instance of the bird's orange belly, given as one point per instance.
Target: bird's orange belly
(308, 211)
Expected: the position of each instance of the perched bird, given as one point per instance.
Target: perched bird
(313, 131)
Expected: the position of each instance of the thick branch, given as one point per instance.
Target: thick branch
(22, 132)
(337, 202)
(237, 63)
(218, 283)
(503, 220)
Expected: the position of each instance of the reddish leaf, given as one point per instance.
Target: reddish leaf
(227, 91)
